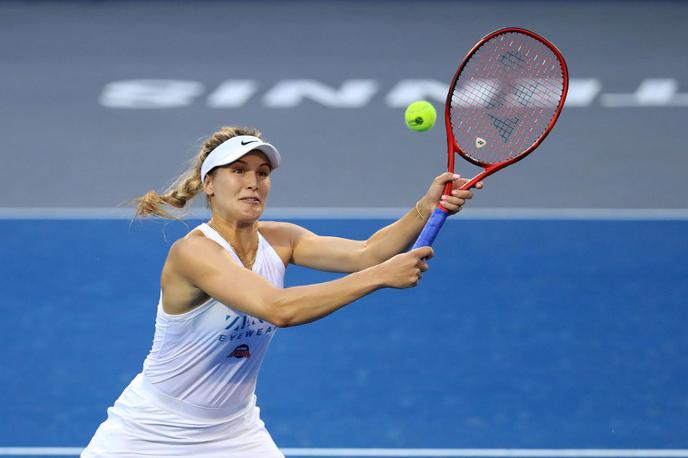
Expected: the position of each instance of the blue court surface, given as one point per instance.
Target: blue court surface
(523, 334)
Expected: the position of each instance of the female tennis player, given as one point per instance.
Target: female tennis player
(222, 300)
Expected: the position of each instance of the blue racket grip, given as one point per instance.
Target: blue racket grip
(431, 229)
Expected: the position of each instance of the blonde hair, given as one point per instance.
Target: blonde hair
(188, 184)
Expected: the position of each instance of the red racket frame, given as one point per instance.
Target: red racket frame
(453, 146)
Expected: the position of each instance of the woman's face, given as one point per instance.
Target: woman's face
(240, 189)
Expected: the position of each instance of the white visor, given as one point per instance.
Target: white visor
(236, 147)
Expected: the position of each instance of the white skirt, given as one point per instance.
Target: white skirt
(138, 426)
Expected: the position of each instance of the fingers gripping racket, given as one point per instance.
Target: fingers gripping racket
(503, 101)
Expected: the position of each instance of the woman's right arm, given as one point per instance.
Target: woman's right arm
(209, 267)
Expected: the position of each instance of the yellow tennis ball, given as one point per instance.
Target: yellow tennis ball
(420, 116)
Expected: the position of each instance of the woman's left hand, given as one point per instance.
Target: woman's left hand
(453, 202)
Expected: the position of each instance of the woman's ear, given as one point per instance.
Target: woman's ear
(208, 185)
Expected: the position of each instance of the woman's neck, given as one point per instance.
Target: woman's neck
(243, 238)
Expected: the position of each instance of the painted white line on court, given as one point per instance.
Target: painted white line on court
(486, 453)
(413, 452)
(40, 451)
(586, 214)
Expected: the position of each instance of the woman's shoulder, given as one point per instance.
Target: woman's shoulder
(191, 245)
(281, 236)
(277, 228)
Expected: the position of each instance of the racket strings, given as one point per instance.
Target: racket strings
(505, 97)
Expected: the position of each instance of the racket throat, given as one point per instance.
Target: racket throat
(487, 172)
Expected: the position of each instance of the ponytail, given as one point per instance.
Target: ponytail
(189, 184)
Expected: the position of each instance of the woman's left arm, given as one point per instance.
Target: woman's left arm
(343, 255)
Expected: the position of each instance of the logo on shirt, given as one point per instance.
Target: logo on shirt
(241, 351)
(244, 327)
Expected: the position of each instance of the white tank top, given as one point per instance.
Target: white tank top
(205, 362)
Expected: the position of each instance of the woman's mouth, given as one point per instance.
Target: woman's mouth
(250, 200)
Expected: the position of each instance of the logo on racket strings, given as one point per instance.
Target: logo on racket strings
(480, 142)
(505, 127)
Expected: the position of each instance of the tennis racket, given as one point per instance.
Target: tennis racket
(503, 101)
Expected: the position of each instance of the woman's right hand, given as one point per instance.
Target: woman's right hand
(406, 269)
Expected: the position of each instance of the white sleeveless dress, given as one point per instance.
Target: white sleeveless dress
(196, 393)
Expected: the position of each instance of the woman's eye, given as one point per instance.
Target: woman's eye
(264, 173)
(237, 171)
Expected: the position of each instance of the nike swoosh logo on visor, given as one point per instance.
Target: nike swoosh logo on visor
(246, 143)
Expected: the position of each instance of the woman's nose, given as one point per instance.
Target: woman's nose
(251, 180)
